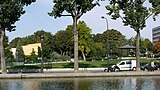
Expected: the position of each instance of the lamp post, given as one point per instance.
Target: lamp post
(107, 39)
(42, 39)
(106, 21)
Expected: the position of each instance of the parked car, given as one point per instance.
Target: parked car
(123, 65)
(148, 67)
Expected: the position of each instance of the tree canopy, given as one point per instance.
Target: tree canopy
(10, 12)
(20, 57)
(75, 9)
(133, 13)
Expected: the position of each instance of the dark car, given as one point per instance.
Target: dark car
(148, 67)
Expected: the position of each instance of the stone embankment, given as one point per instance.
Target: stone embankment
(81, 74)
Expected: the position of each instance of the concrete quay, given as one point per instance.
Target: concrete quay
(80, 74)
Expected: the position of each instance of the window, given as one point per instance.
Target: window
(128, 62)
(122, 63)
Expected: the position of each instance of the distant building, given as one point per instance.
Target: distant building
(28, 49)
(155, 34)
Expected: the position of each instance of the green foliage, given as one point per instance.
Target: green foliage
(156, 7)
(74, 7)
(33, 57)
(98, 37)
(35, 38)
(85, 38)
(146, 45)
(20, 57)
(14, 42)
(113, 39)
(63, 40)
(134, 13)
(10, 12)
(98, 50)
(24, 67)
(39, 51)
(8, 54)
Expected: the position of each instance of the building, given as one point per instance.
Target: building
(155, 34)
(28, 49)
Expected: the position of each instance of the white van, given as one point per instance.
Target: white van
(125, 65)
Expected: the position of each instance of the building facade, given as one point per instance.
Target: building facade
(155, 34)
(28, 49)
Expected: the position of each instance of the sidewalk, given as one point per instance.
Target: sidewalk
(79, 75)
(72, 70)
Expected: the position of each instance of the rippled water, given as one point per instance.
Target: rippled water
(108, 83)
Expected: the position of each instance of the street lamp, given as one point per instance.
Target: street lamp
(107, 39)
(106, 21)
(42, 39)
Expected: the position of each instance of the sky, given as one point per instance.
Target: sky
(37, 18)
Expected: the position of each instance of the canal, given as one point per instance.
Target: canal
(105, 83)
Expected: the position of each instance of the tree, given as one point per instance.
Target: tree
(98, 50)
(112, 40)
(156, 7)
(35, 38)
(14, 42)
(97, 38)
(156, 47)
(75, 8)
(7, 50)
(10, 12)
(20, 57)
(33, 56)
(85, 39)
(134, 14)
(146, 46)
(63, 41)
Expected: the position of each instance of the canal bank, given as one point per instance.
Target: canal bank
(78, 75)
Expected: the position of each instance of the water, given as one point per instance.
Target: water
(107, 83)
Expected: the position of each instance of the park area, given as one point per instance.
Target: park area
(83, 64)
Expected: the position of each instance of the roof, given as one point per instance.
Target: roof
(127, 46)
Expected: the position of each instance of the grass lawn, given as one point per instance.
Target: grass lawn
(87, 64)
(93, 64)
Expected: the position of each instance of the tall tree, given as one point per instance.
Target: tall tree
(156, 47)
(75, 9)
(20, 57)
(14, 42)
(63, 41)
(156, 7)
(146, 46)
(133, 13)
(33, 56)
(7, 50)
(85, 39)
(112, 40)
(10, 12)
(98, 37)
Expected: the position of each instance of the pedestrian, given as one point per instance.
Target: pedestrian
(152, 65)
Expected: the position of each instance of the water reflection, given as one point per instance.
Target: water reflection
(108, 83)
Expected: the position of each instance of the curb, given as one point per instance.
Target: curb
(78, 75)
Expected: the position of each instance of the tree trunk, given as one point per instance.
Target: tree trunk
(3, 63)
(137, 51)
(75, 31)
(84, 58)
